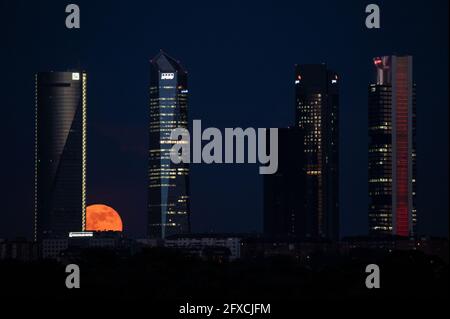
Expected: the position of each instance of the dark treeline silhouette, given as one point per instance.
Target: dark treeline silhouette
(162, 274)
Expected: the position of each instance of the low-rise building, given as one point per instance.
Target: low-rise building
(19, 249)
(202, 243)
(53, 247)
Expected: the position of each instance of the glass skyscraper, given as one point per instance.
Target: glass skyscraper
(168, 183)
(317, 113)
(392, 151)
(60, 153)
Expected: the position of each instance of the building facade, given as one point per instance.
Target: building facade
(392, 149)
(19, 249)
(198, 243)
(60, 153)
(317, 113)
(168, 183)
(284, 191)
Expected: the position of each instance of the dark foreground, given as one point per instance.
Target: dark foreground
(160, 274)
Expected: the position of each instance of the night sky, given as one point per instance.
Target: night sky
(240, 59)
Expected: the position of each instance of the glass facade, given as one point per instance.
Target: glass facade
(317, 113)
(168, 183)
(60, 153)
(392, 164)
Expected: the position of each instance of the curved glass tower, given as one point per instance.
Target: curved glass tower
(60, 153)
(168, 183)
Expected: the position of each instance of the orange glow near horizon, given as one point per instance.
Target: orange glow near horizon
(102, 218)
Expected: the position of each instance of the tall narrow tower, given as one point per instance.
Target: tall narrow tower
(60, 153)
(317, 113)
(284, 192)
(392, 151)
(168, 183)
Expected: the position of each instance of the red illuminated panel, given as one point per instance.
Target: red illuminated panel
(402, 154)
(377, 61)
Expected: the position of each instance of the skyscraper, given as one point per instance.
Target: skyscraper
(60, 153)
(168, 183)
(392, 150)
(284, 192)
(317, 113)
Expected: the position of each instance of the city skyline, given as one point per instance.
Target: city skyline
(164, 69)
(259, 97)
(291, 204)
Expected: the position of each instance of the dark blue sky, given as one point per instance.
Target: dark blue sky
(240, 57)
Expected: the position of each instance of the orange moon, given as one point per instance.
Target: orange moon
(102, 218)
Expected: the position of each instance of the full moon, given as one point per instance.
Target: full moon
(102, 218)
